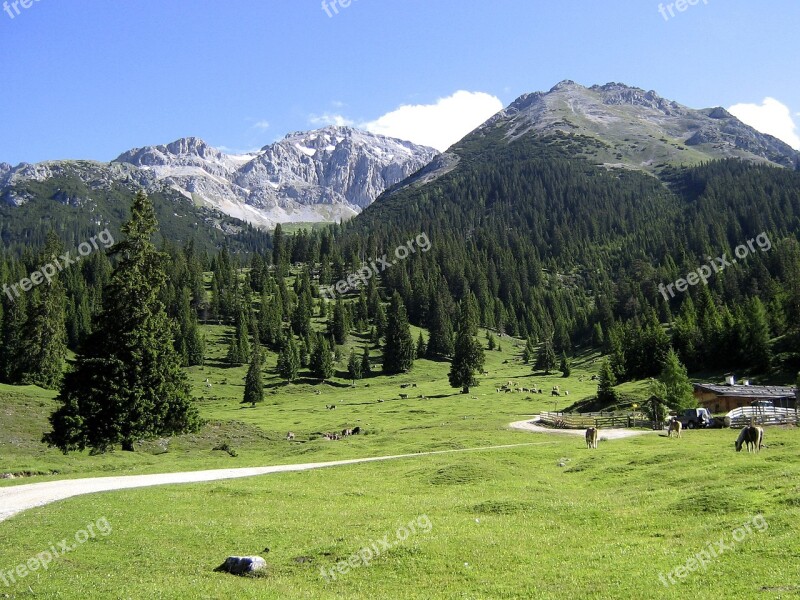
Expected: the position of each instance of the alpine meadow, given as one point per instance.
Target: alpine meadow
(383, 321)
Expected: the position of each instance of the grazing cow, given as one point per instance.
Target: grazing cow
(540, 391)
(290, 437)
(591, 438)
(675, 426)
(356, 430)
(752, 437)
(403, 396)
(380, 400)
(317, 392)
(555, 393)
(413, 385)
(567, 393)
(485, 373)
(347, 432)
(330, 406)
(404, 385)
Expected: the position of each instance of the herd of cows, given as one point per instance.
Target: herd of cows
(751, 437)
(512, 386)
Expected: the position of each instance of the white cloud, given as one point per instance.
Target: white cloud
(441, 124)
(772, 117)
(262, 125)
(326, 119)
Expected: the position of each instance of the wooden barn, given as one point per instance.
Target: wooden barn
(724, 398)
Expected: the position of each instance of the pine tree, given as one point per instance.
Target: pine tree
(127, 383)
(398, 352)
(288, 360)
(270, 327)
(566, 365)
(15, 315)
(440, 331)
(45, 334)
(354, 366)
(253, 386)
(366, 365)
(380, 321)
(756, 335)
(606, 394)
(338, 324)
(597, 335)
(468, 359)
(678, 388)
(321, 363)
(189, 342)
(529, 351)
(421, 345)
(239, 348)
(491, 342)
(546, 358)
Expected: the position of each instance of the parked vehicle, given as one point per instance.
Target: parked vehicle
(763, 403)
(695, 418)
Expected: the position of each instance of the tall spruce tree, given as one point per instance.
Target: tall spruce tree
(321, 362)
(289, 360)
(546, 358)
(422, 347)
(338, 326)
(468, 359)
(239, 347)
(366, 365)
(606, 393)
(45, 333)
(127, 383)
(354, 370)
(253, 386)
(566, 365)
(398, 352)
(678, 388)
(11, 355)
(440, 328)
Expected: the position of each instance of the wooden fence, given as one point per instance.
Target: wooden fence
(605, 420)
(761, 415)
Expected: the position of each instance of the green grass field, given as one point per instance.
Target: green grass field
(503, 523)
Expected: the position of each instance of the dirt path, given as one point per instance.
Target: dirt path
(15, 499)
(605, 434)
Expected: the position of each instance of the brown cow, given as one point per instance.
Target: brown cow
(591, 437)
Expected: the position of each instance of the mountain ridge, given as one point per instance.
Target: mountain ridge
(328, 174)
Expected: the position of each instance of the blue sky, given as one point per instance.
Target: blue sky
(85, 79)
